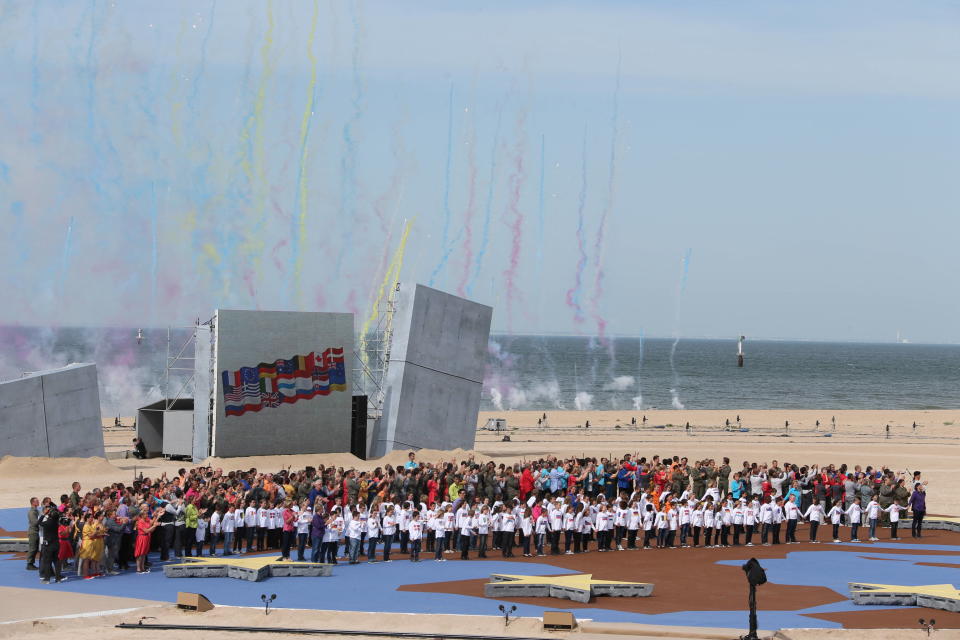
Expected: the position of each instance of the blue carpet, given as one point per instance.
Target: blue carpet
(373, 587)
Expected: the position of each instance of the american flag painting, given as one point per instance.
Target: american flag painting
(283, 381)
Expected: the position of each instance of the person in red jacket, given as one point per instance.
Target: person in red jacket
(526, 483)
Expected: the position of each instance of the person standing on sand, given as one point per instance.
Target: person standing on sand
(33, 533)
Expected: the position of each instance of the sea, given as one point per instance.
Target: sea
(563, 372)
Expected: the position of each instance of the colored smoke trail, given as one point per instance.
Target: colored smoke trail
(67, 255)
(444, 243)
(638, 399)
(541, 221)
(470, 211)
(514, 219)
(348, 163)
(253, 137)
(573, 294)
(488, 207)
(598, 247)
(299, 234)
(203, 53)
(675, 389)
(390, 279)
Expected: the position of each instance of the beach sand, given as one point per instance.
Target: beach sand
(859, 438)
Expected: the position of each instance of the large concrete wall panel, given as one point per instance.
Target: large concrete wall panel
(52, 413)
(178, 433)
(22, 428)
(436, 372)
(202, 391)
(71, 402)
(257, 342)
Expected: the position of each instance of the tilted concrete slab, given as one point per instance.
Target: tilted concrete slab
(14, 545)
(252, 569)
(934, 596)
(940, 523)
(579, 587)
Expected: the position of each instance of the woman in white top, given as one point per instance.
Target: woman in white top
(836, 514)
(814, 514)
(855, 514)
(373, 534)
(215, 534)
(508, 524)
(389, 531)
(354, 536)
(304, 519)
(873, 517)
(894, 511)
(526, 530)
(415, 533)
(483, 530)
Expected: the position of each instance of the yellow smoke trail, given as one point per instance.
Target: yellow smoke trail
(301, 239)
(254, 128)
(390, 279)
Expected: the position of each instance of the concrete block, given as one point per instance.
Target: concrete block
(53, 413)
(933, 596)
(14, 545)
(435, 374)
(319, 423)
(941, 524)
(251, 569)
(579, 587)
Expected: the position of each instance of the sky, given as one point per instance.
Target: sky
(704, 169)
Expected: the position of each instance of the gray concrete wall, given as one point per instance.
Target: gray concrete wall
(178, 433)
(316, 425)
(52, 413)
(435, 374)
(203, 375)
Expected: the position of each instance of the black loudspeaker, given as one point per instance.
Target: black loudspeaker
(358, 427)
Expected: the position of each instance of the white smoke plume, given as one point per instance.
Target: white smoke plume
(583, 401)
(620, 383)
(675, 400)
(496, 398)
(638, 402)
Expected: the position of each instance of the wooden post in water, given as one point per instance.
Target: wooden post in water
(740, 351)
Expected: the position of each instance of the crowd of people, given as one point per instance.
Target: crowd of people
(547, 506)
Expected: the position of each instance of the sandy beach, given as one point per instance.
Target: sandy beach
(860, 438)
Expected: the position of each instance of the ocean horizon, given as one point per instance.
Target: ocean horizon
(540, 372)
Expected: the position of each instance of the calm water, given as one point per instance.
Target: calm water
(531, 372)
(528, 372)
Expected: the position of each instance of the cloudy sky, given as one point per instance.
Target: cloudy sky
(705, 168)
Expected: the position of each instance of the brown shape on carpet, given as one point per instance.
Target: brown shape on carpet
(897, 618)
(684, 580)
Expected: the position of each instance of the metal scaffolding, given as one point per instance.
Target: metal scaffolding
(373, 356)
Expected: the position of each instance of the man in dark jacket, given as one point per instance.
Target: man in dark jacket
(48, 524)
(33, 533)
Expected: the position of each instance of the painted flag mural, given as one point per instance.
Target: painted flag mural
(284, 381)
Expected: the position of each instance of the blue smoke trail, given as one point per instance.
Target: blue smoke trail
(638, 399)
(348, 164)
(67, 253)
(447, 249)
(203, 53)
(488, 208)
(675, 390)
(573, 294)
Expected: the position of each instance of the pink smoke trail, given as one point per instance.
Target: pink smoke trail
(470, 211)
(573, 293)
(597, 293)
(514, 217)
